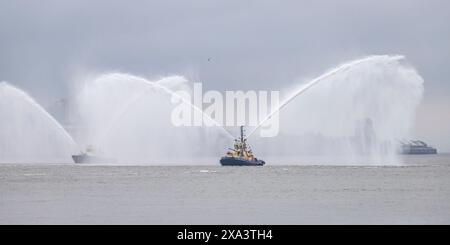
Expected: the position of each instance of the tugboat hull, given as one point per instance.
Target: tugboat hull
(234, 161)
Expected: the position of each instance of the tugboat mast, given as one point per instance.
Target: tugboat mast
(243, 146)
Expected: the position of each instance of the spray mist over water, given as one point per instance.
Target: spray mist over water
(128, 118)
(28, 133)
(353, 114)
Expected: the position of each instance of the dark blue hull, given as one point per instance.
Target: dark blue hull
(234, 161)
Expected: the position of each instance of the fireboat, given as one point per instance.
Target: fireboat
(241, 154)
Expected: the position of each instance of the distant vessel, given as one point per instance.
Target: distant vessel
(416, 147)
(90, 157)
(241, 154)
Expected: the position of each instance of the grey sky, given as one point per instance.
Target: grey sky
(45, 45)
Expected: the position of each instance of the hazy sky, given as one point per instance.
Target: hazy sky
(46, 45)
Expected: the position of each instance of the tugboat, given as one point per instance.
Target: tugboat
(89, 157)
(241, 155)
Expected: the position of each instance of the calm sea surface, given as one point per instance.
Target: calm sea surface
(417, 192)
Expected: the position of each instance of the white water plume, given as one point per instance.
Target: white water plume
(128, 118)
(28, 134)
(353, 114)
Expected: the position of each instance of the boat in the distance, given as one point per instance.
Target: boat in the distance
(241, 154)
(416, 147)
(90, 157)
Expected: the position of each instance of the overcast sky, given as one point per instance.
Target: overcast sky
(45, 45)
